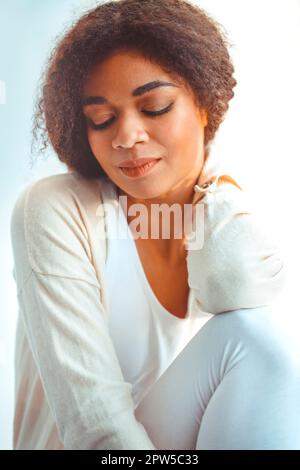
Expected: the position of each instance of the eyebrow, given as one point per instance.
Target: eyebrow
(140, 90)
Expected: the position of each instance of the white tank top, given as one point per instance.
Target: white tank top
(146, 336)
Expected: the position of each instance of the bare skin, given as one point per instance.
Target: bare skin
(176, 137)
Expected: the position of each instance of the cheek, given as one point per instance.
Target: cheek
(172, 136)
(184, 138)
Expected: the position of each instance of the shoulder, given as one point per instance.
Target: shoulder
(242, 266)
(224, 192)
(232, 219)
(59, 190)
(50, 222)
(222, 201)
(54, 200)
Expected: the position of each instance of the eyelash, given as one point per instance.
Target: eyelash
(99, 127)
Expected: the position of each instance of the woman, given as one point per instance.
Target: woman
(114, 348)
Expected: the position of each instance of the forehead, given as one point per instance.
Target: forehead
(123, 71)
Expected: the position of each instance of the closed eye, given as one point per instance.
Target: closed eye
(105, 124)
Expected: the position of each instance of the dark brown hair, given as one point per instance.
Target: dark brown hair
(177, 35)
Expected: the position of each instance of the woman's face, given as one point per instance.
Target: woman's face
(176, 136)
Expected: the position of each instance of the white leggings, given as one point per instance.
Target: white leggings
(236, 385)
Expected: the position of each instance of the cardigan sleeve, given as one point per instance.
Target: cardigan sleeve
(236, 263)
(60, 304)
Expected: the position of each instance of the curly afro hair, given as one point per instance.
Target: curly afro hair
(177, 35)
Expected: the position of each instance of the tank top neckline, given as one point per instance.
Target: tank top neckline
(138, 263)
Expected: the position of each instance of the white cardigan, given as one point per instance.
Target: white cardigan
(70, 391)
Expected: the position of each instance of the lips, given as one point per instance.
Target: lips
(141, 170)
(137, 162)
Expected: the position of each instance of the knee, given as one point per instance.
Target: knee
(265, 335)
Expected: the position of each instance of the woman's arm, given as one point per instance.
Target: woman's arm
(238, 266)
(65, 322)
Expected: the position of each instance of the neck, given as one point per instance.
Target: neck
(171, 249)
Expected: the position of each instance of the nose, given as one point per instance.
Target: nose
(129, 131)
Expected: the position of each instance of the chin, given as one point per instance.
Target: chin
(143, 193)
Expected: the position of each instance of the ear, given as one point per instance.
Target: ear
(203, 116)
